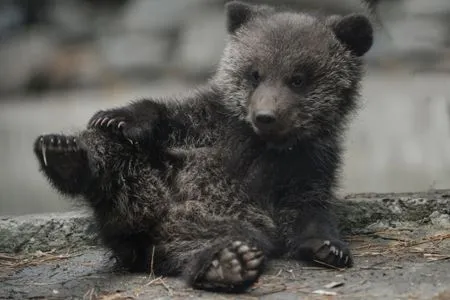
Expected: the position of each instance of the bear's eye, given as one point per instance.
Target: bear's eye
(297, 81)
(255, 78)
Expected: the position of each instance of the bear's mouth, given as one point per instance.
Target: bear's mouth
(275, 139)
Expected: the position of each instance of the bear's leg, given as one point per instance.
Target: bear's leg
(123, 185)
(217, 253)
(315, 238)
(103, 169)
(65, 162)
(130, 220)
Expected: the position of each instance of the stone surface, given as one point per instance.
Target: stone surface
(400, 244)
(30, 233)
(358, 213)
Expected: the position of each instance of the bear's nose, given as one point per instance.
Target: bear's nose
(265, 119)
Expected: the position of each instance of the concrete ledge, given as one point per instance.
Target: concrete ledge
(363, 211)
(358, 213)
(29, 233)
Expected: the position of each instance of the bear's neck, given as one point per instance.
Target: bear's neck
(303, 160)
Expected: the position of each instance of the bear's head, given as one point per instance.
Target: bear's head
(291, 75)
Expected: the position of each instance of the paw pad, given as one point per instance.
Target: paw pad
(234, 265)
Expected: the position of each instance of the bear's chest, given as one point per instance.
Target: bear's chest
(273, 176)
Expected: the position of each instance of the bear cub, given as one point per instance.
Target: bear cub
(213, 184)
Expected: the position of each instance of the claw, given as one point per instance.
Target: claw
(334, 250)
(254, 263)
(97, 122)
(103, 121)
(110, 122)
(121, 124)
(236, 244)
(44, 157)
(251, 274)
(215, 263)
(243, 249)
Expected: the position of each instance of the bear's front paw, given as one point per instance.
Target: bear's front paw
(334, 253)
(65, 162)
(328, 252)
(122, 122)
(55, 148)
(234, 268)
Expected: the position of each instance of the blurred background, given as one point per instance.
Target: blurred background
(62, 60)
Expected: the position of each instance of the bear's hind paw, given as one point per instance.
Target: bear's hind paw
(234, 268)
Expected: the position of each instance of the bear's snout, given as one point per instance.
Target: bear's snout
(265, 120)
(268, 125)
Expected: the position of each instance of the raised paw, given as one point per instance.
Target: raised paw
(47, 147)
(333, 253)
(234, 268)
(113, 119)
(64, 161)
(120, 122)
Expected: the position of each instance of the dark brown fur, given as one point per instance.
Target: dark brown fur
(242, 170)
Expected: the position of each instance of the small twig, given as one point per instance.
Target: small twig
(390, 238)
(291, 272)
(379, 268)
(153, 281)
(330, 266)
(311, 268)
(152, 273)
(279, 273)
(439, 237)
(7, 257)
(436, 257)
(89, 294)
(37, 258)
(169, 290)
(160, 281)
(334, 284)
(256, 292)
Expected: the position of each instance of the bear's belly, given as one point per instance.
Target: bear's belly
(203, 178)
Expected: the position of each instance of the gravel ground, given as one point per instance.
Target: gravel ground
(402, 263)
(400, 242)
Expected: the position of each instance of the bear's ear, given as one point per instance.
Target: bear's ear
(238, 13)
(354, 31)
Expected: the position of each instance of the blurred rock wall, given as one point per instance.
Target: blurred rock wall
(55, 44)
